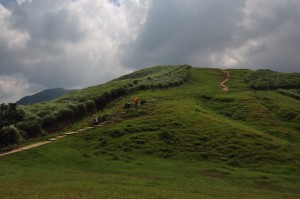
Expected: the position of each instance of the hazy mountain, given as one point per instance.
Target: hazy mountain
(42, 96)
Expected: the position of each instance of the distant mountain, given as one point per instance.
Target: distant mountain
(42, 96)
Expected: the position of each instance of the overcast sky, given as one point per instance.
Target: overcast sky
(78, 43)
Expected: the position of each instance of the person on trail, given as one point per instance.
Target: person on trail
(127, 106)
(96, 120)
(136, 102)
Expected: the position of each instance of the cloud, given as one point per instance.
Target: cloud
(77, 43)
(71, 44)
(243, 34)
(12, 86)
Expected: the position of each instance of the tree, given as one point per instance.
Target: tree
(9, 114)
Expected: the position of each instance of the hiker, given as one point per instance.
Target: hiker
(136, 102)
(96, 120)
(127, 106)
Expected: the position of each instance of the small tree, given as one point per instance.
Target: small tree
(9, 114)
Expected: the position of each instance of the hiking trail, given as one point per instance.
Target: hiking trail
(225, 74)
(41, 143)
(114, 118)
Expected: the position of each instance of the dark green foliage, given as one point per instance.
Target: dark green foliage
(50, 121)
(288, 115)
(10, 136)
(167, 136)
(64, 115)
(90, 106)
(30, 128)
(81, 110)
(290, 93)
(9, 114)
(267, 79)
(116, 132)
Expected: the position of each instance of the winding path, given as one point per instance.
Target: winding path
(225, 74)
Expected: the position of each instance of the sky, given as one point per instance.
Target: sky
(79, 43)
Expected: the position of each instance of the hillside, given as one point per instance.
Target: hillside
(189, 140)
(45, 95)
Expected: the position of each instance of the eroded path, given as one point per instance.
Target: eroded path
(41, 143)
(225, 74)
(24, 148)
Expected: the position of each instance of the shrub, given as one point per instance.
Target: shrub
(10, 136)
(90, 106)
(32, 128)
(50, 121)
(81, 110)
(64, 115)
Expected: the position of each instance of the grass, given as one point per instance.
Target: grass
(191, 141)
(62, 170)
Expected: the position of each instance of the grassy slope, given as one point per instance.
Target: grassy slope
(187, 142)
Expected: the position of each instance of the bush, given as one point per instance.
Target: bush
(10, 136)
(50, 121)
(90, 106)
(64, 115)
(31, 128)
(81, 110)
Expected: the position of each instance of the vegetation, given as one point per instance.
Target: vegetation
(191, 141)
(61, 112)
(9, 115)
(267, 79)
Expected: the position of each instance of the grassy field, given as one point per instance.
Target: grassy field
(191, 141)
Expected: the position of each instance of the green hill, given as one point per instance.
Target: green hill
(189, 140)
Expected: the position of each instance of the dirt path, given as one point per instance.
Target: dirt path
(225, 74)
(24, 148)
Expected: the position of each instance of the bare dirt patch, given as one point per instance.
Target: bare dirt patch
(225, 75)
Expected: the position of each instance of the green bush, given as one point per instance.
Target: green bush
(10, 136)
(31, 128)
(90, 106)
(81, 110)
(50, 121)
(267, 79)
(65, 115)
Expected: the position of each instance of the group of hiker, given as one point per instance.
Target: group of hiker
(127, 107)
(136, 103)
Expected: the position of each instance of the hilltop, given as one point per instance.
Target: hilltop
(190, 139)
(42, 96)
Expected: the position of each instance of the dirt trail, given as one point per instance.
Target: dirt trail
(225, 74)
(24, 148)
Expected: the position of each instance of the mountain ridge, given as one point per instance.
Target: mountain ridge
(42, 96)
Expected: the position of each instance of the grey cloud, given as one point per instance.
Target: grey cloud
(70, 44)
(209, 33)
(176, 30)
